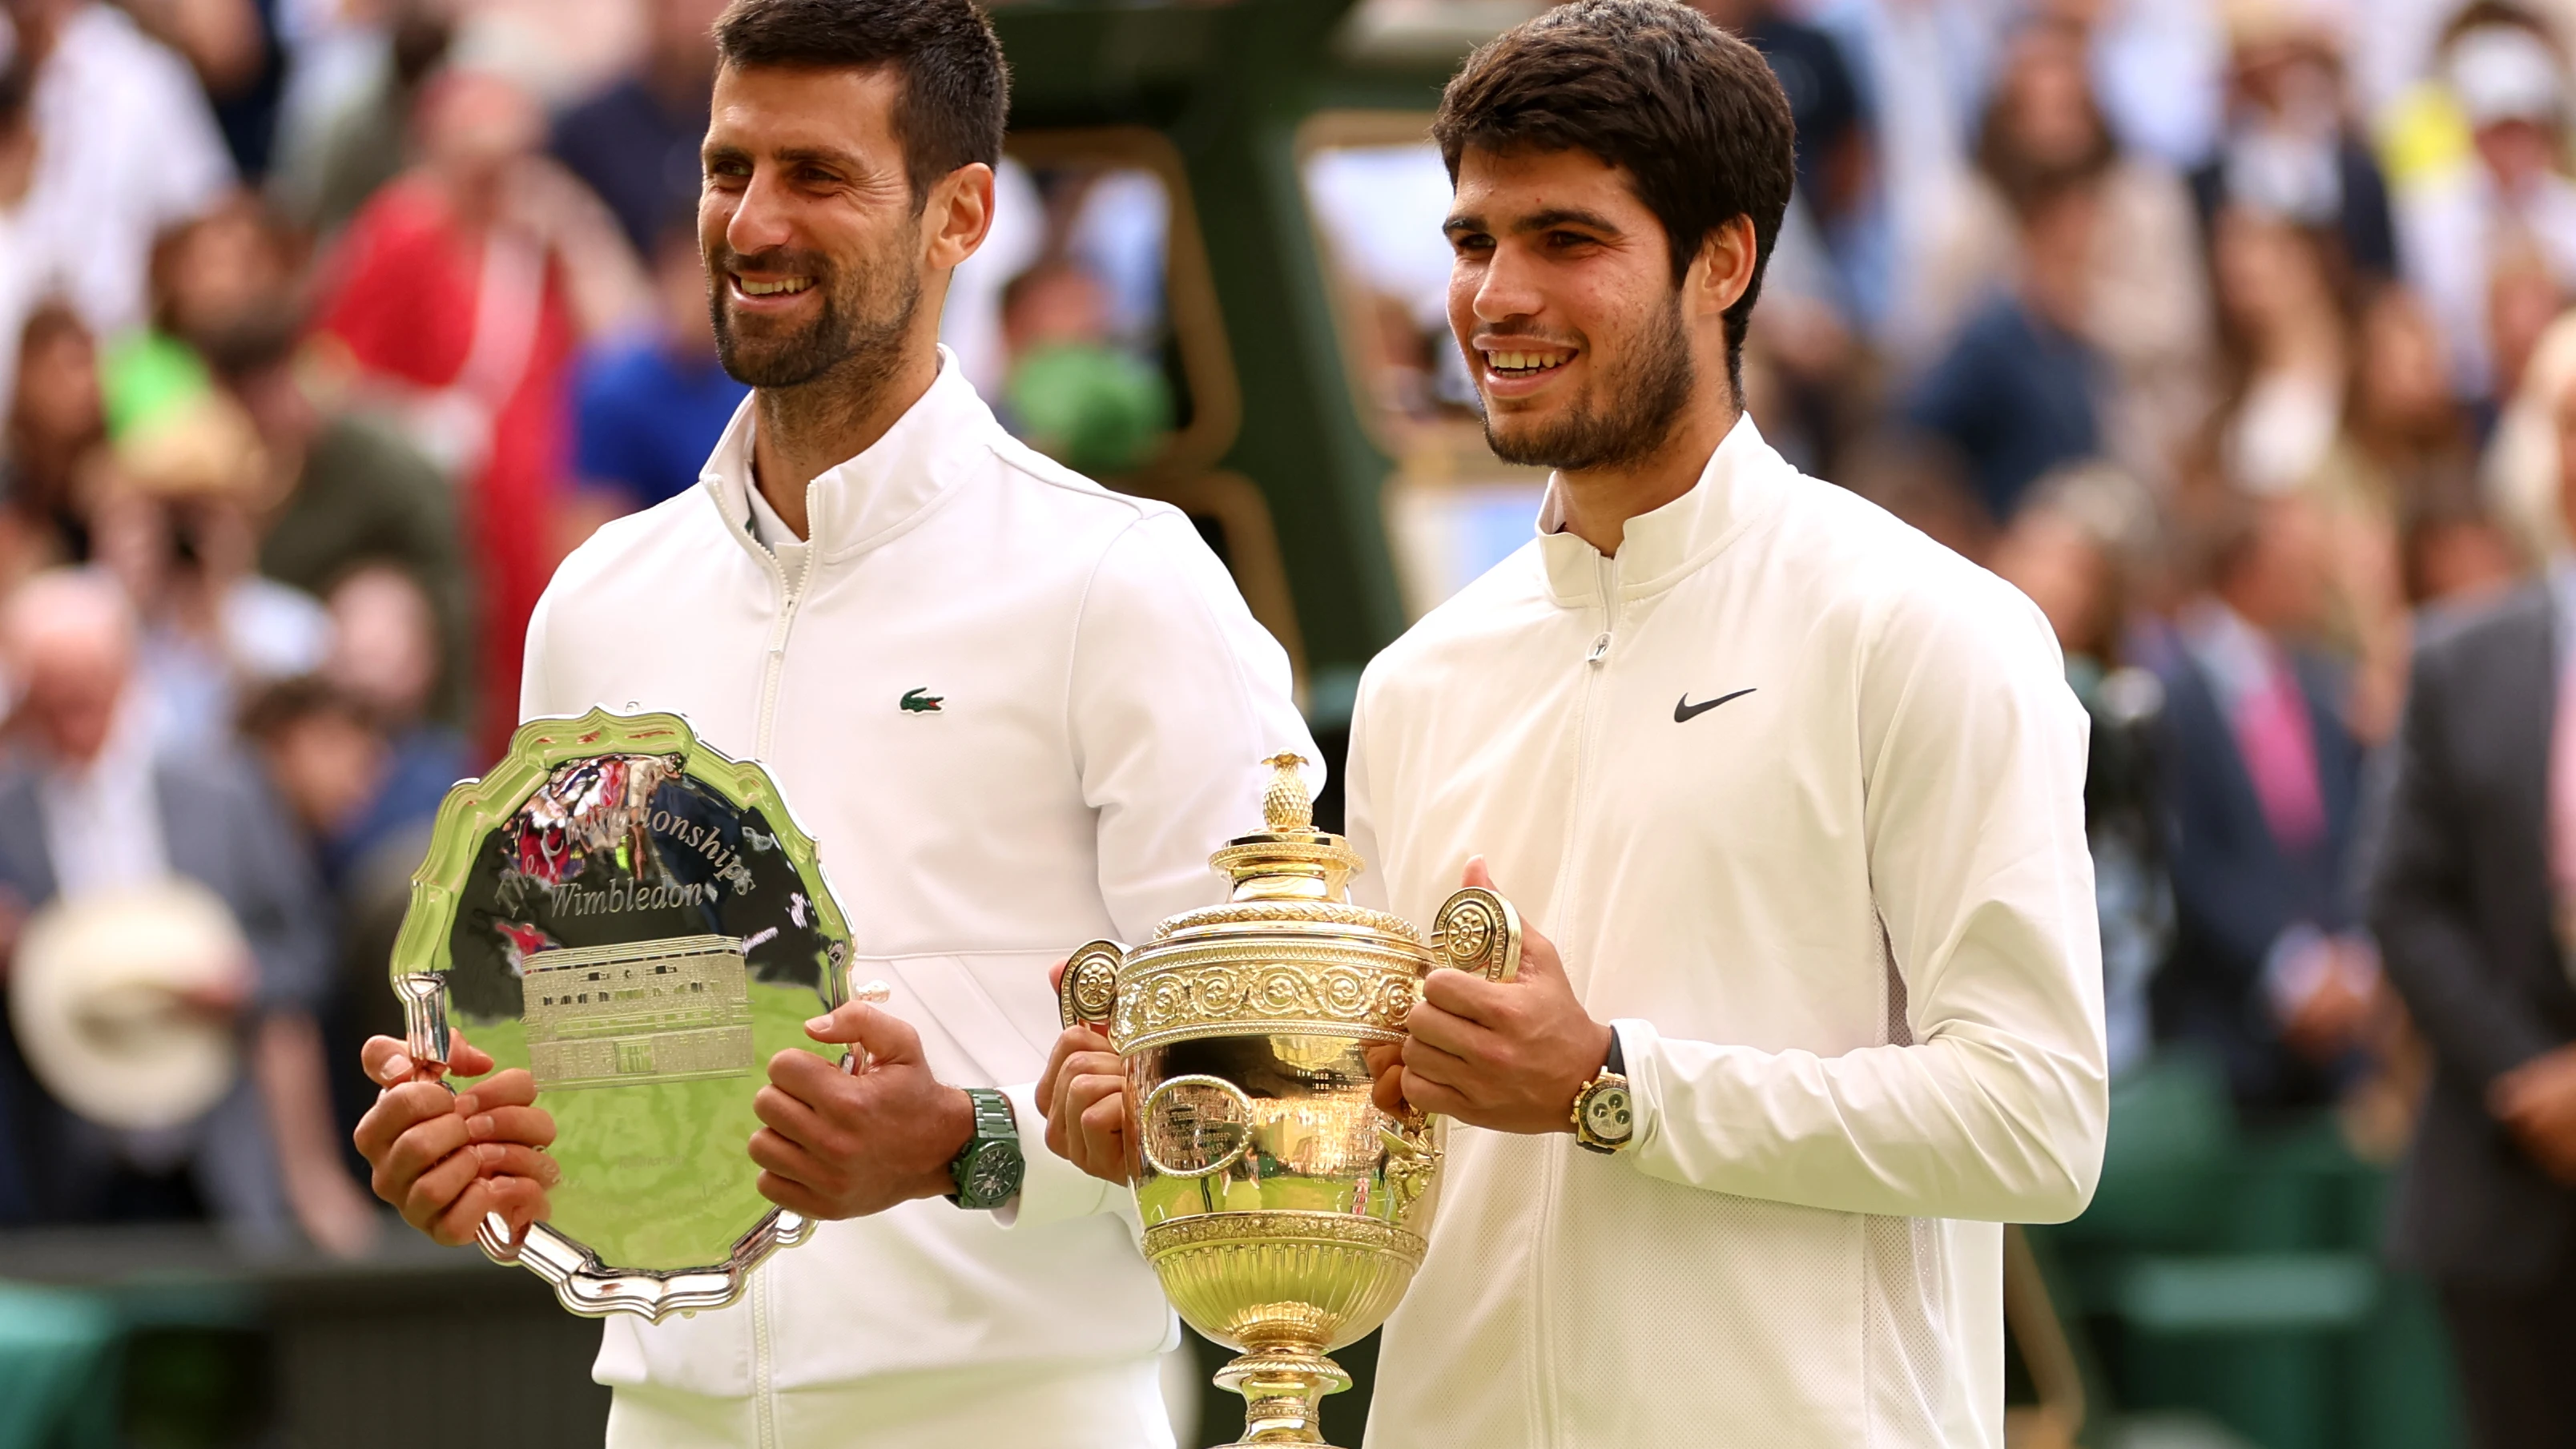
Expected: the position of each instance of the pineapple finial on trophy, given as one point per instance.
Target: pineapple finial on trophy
(1287, 805)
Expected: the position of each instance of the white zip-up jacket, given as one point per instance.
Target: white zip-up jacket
(1103, 704)
(1843, 923)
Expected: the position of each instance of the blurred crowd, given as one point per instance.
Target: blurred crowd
(327, 327)
(2232, 331)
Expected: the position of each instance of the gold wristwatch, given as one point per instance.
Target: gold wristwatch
(1604, 1119)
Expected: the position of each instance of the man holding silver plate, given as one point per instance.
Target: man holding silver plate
(1012, 708)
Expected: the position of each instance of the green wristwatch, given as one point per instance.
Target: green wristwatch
(987, 1170)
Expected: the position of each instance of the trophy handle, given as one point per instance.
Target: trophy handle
(1089, 988)
(424, 1003)
(1477, 930)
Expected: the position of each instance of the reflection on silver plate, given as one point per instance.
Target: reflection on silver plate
(635, 919)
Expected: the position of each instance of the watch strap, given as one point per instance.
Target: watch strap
(995, 1123)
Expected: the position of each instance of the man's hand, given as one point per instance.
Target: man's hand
(1506, 1055)
(448, 1161)
(1084, 1094)
(844, 1144)
(2537, 1103)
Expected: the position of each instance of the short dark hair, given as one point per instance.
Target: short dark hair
(956, 91)
(1692, 114)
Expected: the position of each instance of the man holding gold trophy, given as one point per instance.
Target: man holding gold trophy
(1799, 795)
(1013, 709)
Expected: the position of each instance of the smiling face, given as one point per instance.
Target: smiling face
(1562, 297)
(812, 236)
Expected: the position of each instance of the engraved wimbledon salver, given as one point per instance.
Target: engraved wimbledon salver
(635, 919)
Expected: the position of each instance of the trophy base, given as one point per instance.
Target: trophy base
(1283, 1391)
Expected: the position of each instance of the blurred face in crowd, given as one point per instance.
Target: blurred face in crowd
(384, 643)
(2517, 153)
(2270, 278)
(327, 763)
(70, 643)
(222, 270)
(814, 244)
(2277, 582)
(1562, 298)
(2402, 388)
(2045, 99)
(2055, 560)
(58, 399)
(475, 128)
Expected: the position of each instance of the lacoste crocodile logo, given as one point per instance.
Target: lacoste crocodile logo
(919, 701)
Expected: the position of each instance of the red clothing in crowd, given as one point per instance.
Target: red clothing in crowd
(474, 331)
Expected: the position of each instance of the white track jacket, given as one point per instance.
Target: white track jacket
(1844, 924)
(1103, 702)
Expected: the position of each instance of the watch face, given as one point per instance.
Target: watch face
(1606, 1114)
(993, 1174)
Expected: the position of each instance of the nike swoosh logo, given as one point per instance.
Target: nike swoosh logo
(1684, 711)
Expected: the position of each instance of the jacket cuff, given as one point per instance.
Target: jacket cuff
(1638, 1042)
(1052, 1190)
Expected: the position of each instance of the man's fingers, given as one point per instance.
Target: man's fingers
(513, 1088)
(881, 1034)
(791, 1117)
(388, 1062)
(527, 1126)
(509, 1159)
(1477, 873)
(1423, 1060)
(436, 1192)
(398, 1111)
(1075, 1042)
(777, 1156)
(1430, 1096)
(1387, 1090)
(420, 1149)
(794, 1196)
(1055, 974)
(1457, 1035)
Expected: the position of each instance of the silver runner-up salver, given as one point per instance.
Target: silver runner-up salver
(635, 919)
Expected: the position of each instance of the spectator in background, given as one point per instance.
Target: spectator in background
(2142, 306)
(36, 250)
(341, 149)
(2015, 394)
(2069, 549)
(1826, 103)
(343, 491)
(126, 147)
(2507, 196)
(2291, 148)
(2473, 899)
(231, 266)
(384, 659)
(649, 404)
(55, 421)
(2453, 551)
(170, 511)
(1071, 393)
(2261, 777)
(636, 143)
(459, 293)
(92, 805)
(234, 47)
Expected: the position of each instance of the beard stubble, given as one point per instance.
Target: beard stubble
(1646, 397)
(855, 337)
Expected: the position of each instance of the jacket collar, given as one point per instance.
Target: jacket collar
(858, 504)
(1744, 479)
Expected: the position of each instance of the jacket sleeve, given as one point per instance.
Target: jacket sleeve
(281, 905)
(2419, 903)
(1991, 1103)
(1176, 698)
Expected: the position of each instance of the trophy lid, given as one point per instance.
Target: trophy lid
(1290, 860)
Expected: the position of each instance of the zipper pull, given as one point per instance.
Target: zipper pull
(1600, 650)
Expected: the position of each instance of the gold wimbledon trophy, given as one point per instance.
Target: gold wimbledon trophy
(1284, 1213)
